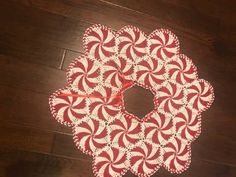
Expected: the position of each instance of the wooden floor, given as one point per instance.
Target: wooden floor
(39, 38)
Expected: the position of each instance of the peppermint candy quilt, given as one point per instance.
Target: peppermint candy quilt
(92, 102)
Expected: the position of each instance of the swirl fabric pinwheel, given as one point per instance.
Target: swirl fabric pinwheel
(92, 102)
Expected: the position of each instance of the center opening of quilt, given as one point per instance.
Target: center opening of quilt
(138, 102)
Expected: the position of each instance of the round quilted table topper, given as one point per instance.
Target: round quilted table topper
(92, 103)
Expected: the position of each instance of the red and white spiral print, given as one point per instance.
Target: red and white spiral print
(117, 70)
(158, 129)
(187, 124)
(151, 72)
(170, 97)
(132, 43)
(93, 104)
(163, 44)
(90, 135)
(182, 70)
(104, 103)
(200, 95)
(176, 156)
(110, 162)
(67, 109)
(125, 131)
(99, 42)
(144, 160)
(84, 74)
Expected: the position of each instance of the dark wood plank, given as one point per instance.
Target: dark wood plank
(21, 107)
(24, 138)
(215, 148)
(216, 9)
(17, 74)
(30, 51)
(32, 164)
(36, 26)
(219, 9)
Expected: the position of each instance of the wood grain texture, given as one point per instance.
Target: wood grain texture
(39, 39)
(41, 79)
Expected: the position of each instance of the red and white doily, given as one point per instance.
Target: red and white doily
(92, 103)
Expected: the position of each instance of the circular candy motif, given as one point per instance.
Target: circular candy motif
(132, 43)
(67, 109)
(170, 98)
(90, 135)
(145, 160)
(163, 44)
(110, 162)
(200, 95)
(93, 104)
(99, 42)
(176, 156)
(104, 103)
(151, 72)
(158, 129)
(125, 131)
(117, 71)
(83, 74)
(182, 70)
(187, 124)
